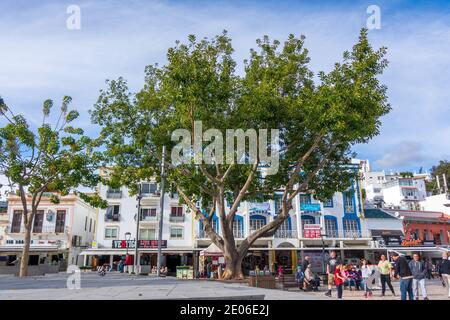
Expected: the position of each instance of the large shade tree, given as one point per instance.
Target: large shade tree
(50, 160)
(319, 120)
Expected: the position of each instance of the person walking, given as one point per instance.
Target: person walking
(444, 271)
(385, 269)
(419, 272)
(403, 272)
(339, 279)
(332, 262)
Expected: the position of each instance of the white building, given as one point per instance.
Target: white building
(59, 231)
(116, 232)
(404, 193)
(439, 202)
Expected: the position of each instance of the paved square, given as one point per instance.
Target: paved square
(124, 286)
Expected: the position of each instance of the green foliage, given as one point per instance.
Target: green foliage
(406, 174)
(437, 171)
(276, 91)
(47, 158)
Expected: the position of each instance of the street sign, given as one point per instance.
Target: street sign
(311, 231)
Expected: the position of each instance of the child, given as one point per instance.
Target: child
(339, 279)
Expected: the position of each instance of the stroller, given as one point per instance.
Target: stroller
(312, 285)
(101, 271)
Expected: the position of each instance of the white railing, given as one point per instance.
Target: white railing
(114, 194)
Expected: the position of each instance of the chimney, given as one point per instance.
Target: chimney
(445, 183)
(438, 184)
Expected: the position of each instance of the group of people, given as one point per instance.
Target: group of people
(412, 275)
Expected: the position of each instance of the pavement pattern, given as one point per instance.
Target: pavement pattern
(116, 286)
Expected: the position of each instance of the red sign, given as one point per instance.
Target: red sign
(151, 244)
(311, 231)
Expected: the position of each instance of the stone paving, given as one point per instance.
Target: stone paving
(116, 286)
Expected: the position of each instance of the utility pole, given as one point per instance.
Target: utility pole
(138, 219)
(161, 210)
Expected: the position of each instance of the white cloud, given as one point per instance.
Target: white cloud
(403, 154)
(45, 60)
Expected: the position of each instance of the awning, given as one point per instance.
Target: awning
(32, 249)
(212, 250)
(108, 251)
(380, 233)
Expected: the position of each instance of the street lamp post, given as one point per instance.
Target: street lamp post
(161, 210)
(127, 238)
(138, 219)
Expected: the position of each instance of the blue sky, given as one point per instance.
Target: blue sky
(40, 58)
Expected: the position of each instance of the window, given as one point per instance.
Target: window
(348, 202)
(177, 212)
(111, 233)
(60, 221)
(305, 198)
(148, 213)
(331, 228)
(328, 203)
(90, 225)
(38, 221)
(149, 188)
(147, 234)
(94, 227)
(307, 221)
(112, 213)
(85, 224)
(257, 223)
(351, 228)
(17, 221)
(176, 233)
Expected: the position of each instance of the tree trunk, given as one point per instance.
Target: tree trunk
(23, 272)
(233, 266)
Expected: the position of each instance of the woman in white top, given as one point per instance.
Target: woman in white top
(367, 273)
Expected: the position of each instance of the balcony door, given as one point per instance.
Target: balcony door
(331, 227)
(38, 221)
(60, 221)
(17, 221)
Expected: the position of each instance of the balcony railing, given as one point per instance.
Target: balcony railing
(176, 218)
(149, 218)
(345, 234)
(238, 233)
(113, 194)
(43, 230)
(286, 234)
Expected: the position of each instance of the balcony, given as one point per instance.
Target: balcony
(176, 218)
(114, 194)
(347, 234)
(149, 218)
(286, 234)
(201, 234)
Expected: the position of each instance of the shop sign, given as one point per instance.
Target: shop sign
(122, 244)
(151, 244)
(143, 244)
(311, 231)
(314, 207)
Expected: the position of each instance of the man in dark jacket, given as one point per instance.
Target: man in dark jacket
(403, 272)
(419, 272)
(444, 270)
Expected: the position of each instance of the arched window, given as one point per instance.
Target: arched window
(215, 226)
(257, 222)
(331, 229)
